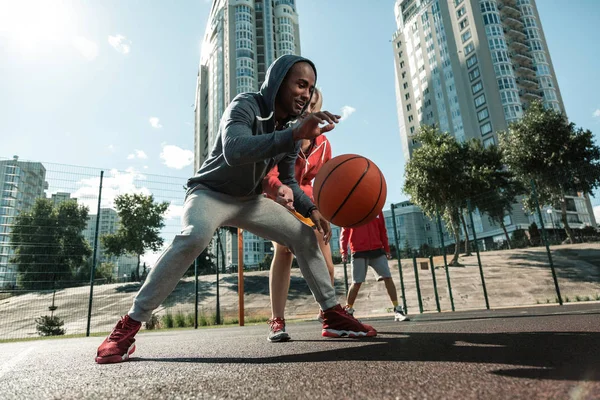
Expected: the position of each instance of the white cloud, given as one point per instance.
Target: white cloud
(346, 112)
(137, 154)
(120, 43)
(114, 183)
(155, 122)
(174, 211)
(176, 157)
(87, 48)
(597, 113)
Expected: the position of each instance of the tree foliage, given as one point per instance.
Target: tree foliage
(49, 245)
(561, 159)
(141, 219)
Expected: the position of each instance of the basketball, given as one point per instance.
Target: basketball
(349, 190)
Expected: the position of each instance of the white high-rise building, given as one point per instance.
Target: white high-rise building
(242, 38)
(471, 67)
(109, 224)
(21, 183)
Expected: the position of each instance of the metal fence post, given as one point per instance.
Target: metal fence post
(485, 295)
(439, 222)
(196, 293)
(544, 237)
(398, 254)
(437, 299)
(417, 283)
(93, 267)
(346, 278)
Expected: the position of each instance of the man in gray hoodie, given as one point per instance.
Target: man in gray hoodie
(257, 131)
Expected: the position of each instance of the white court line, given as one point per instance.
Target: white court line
(14, 361)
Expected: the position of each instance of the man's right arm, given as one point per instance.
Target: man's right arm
(240, 146)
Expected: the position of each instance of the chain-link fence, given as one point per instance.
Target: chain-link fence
(55, 267)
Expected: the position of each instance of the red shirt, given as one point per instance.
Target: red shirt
(307, 166)
(371, 236)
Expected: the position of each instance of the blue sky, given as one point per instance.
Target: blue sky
(110, 84)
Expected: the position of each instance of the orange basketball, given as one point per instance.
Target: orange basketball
(349, 190)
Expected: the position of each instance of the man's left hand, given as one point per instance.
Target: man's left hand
(321, 224)
(388, 255)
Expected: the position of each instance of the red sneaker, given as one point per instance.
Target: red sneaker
(339, 323)
(119, 345)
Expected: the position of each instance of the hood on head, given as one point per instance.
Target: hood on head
(275, 75)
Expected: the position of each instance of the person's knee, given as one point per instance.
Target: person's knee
(356, 285)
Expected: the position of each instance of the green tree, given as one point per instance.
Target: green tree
(49, 245)
(434, 179)
(561, 159)
(493, 188)
(141, 219)
(104, 271)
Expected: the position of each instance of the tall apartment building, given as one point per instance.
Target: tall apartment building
(471, 67)
(21, 183)
(242, 38)
(109, 223)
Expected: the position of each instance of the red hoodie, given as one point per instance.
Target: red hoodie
(307, 166)
(371, 236)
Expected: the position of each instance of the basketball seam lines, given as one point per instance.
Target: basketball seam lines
(377, 202)
(352, 190)
(327, 177)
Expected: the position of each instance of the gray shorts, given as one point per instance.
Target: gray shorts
(379, 264)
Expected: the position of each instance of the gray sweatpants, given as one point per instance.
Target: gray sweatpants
(204, 211)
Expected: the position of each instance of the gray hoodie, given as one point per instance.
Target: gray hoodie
(248, 145)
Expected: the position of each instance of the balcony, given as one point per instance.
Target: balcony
(518, 46)
(522, 59)
(530, 94)
(528, 82)
(509, 11)
(511, 3)
(524, 71)
(514, 23)
(515, 34)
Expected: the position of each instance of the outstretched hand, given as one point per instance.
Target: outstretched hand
(321, 224)
(310, 126)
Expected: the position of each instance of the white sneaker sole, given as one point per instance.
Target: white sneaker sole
(334, 333)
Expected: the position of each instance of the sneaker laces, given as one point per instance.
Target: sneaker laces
(276, 324)
(121, 329)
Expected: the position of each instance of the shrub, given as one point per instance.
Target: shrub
(49, 326)
(153, 322)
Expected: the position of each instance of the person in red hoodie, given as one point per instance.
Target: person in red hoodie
(370, 247)
(312, 155)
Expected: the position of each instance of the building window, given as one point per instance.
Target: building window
(408, 107)
(461, 11)
(466, 36)
(483, 114)
(471, 61)
(405, 86)
(401, 64)
(474, 74)
(412, 129)
(457, 2)
(469, 49)
(476, 88)
(486, 128)
(480, 100)
(489, 142)
(407, 96)
(463, 24)
(410, 118)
